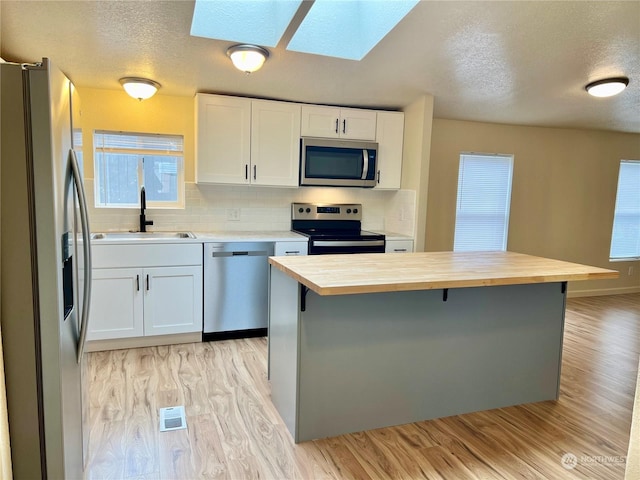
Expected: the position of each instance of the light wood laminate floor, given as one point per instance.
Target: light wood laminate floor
(234, 432)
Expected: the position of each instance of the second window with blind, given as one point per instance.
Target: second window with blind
(482, 205)
(125, 162)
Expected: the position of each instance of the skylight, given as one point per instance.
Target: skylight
(335, 28)
(260, 22)
(347, 28)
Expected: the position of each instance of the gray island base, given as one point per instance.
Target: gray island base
(358, 342)
(357, 362)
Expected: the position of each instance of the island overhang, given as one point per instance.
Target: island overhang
(374, 273)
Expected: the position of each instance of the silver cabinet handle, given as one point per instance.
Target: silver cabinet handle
(378, 177)
(254, 172)
(337, 120)
(292, 252)
(246, 171)
(399, 249)
(147, 282)
(344, 126)
(137, 283)
(86, 245)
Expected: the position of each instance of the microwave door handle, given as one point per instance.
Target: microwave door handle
(365, 164)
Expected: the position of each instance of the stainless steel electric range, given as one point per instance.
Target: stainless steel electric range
(334, 228)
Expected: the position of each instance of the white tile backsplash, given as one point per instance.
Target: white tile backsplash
(260, 208)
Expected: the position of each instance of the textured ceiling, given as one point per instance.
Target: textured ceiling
(507, 62)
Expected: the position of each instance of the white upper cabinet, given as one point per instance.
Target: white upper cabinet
(275, 143)
(243, 141)
(223, 139)
(336, 122)
(389, 135)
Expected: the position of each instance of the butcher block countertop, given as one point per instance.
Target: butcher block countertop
(377, 272)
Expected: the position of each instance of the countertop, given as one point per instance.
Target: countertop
(369, 273)
(204, 237)
(230, 236)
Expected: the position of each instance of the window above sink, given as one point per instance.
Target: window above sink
(125, 162)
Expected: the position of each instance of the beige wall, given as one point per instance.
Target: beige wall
(418, 120)
(115, 110)
(563, 192)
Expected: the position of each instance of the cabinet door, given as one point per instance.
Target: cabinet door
(223, 139)
(389, 135)
(172, 300)
(398, 246)
(290, 248)
(116, 304)
(275, 143)
(357, 124)
(319, 121)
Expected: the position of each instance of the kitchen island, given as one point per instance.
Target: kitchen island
(358, 342)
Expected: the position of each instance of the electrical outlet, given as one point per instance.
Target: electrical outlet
(233, 214)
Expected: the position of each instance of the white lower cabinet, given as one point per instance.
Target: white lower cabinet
(116, 304)
(282, 249)
(143, 299)
(173, 300)
(398, 246)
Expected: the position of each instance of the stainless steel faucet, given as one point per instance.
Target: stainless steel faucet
(143, 206)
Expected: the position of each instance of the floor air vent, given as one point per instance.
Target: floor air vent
(172, 418)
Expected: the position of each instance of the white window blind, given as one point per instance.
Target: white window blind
(625, 237)
(484, 196)
(125, 162)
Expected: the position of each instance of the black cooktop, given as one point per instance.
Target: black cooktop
(338, 234)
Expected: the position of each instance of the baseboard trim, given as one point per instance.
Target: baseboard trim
(602, 291)
(137, 342)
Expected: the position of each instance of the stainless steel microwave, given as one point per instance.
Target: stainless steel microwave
(337, 163)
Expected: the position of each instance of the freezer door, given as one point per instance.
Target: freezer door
(50, 136)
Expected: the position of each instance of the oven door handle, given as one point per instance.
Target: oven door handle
(347, 243)
(365, 164)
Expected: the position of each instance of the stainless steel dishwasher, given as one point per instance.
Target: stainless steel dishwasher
(236, 286)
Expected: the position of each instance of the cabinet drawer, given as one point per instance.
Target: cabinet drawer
(290, 248)
(399, 246)
(146, 255)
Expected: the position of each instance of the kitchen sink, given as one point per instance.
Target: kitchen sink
(145, 236)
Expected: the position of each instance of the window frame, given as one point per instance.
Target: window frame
(179, 203)
(616, 215)
(507, 210)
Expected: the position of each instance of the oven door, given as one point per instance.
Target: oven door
(338, 163)
(326, 247)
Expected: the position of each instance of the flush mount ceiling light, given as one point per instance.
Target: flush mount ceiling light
(247, 58)
(140, 88)
(607, 87)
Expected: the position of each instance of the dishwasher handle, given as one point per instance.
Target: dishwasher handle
(242, 253)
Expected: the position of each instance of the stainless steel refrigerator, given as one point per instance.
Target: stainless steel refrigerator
(45, 255)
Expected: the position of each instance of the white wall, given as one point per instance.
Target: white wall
(260, 208)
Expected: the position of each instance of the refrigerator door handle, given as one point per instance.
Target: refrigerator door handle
(86, 245)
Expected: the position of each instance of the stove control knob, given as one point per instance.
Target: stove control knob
(355, 210)
(301, 210)
(348, 210)
(308, 210)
